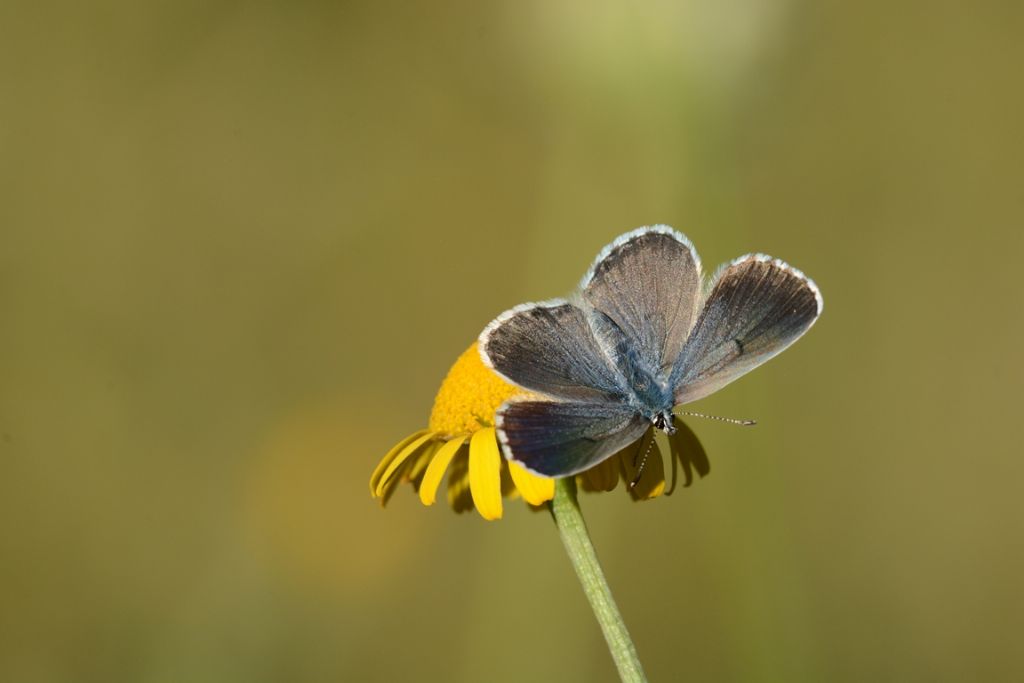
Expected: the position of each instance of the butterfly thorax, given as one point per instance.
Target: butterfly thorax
(650, 396)
(642, 382)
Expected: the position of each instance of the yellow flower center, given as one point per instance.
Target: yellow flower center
(469, 396)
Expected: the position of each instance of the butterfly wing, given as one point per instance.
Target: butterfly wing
(562, 438)
(757, 307)
(647, 285)
(550, 348)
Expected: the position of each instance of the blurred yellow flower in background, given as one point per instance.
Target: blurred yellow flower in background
(460, 440)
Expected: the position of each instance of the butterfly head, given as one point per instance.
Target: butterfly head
(665, 421)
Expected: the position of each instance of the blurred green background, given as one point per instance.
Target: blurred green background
(243, 242)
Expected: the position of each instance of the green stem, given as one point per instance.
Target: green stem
(566, 511)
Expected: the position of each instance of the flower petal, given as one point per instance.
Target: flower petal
(418, 465)
(534, 489)
(410, 449)
(688, 449)
(411, 470)
(508, 487)
(386, 460)
(603, 476)
(389, 486)
(437, 467)
(485, 473)
(675, 468)
(652, 479)
(459, 497)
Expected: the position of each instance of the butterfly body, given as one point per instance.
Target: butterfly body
(650, 396)
(640, 337)
(644, 388)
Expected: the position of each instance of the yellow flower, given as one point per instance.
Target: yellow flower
(460, 439)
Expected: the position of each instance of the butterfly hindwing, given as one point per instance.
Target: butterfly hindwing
(561, 438)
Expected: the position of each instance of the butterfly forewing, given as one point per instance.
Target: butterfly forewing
(647, 284)
(756, 308)
(550, 348)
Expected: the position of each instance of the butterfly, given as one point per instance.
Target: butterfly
(641, 335)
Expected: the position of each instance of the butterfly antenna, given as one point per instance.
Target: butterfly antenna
(730, 420)
(643, 461)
